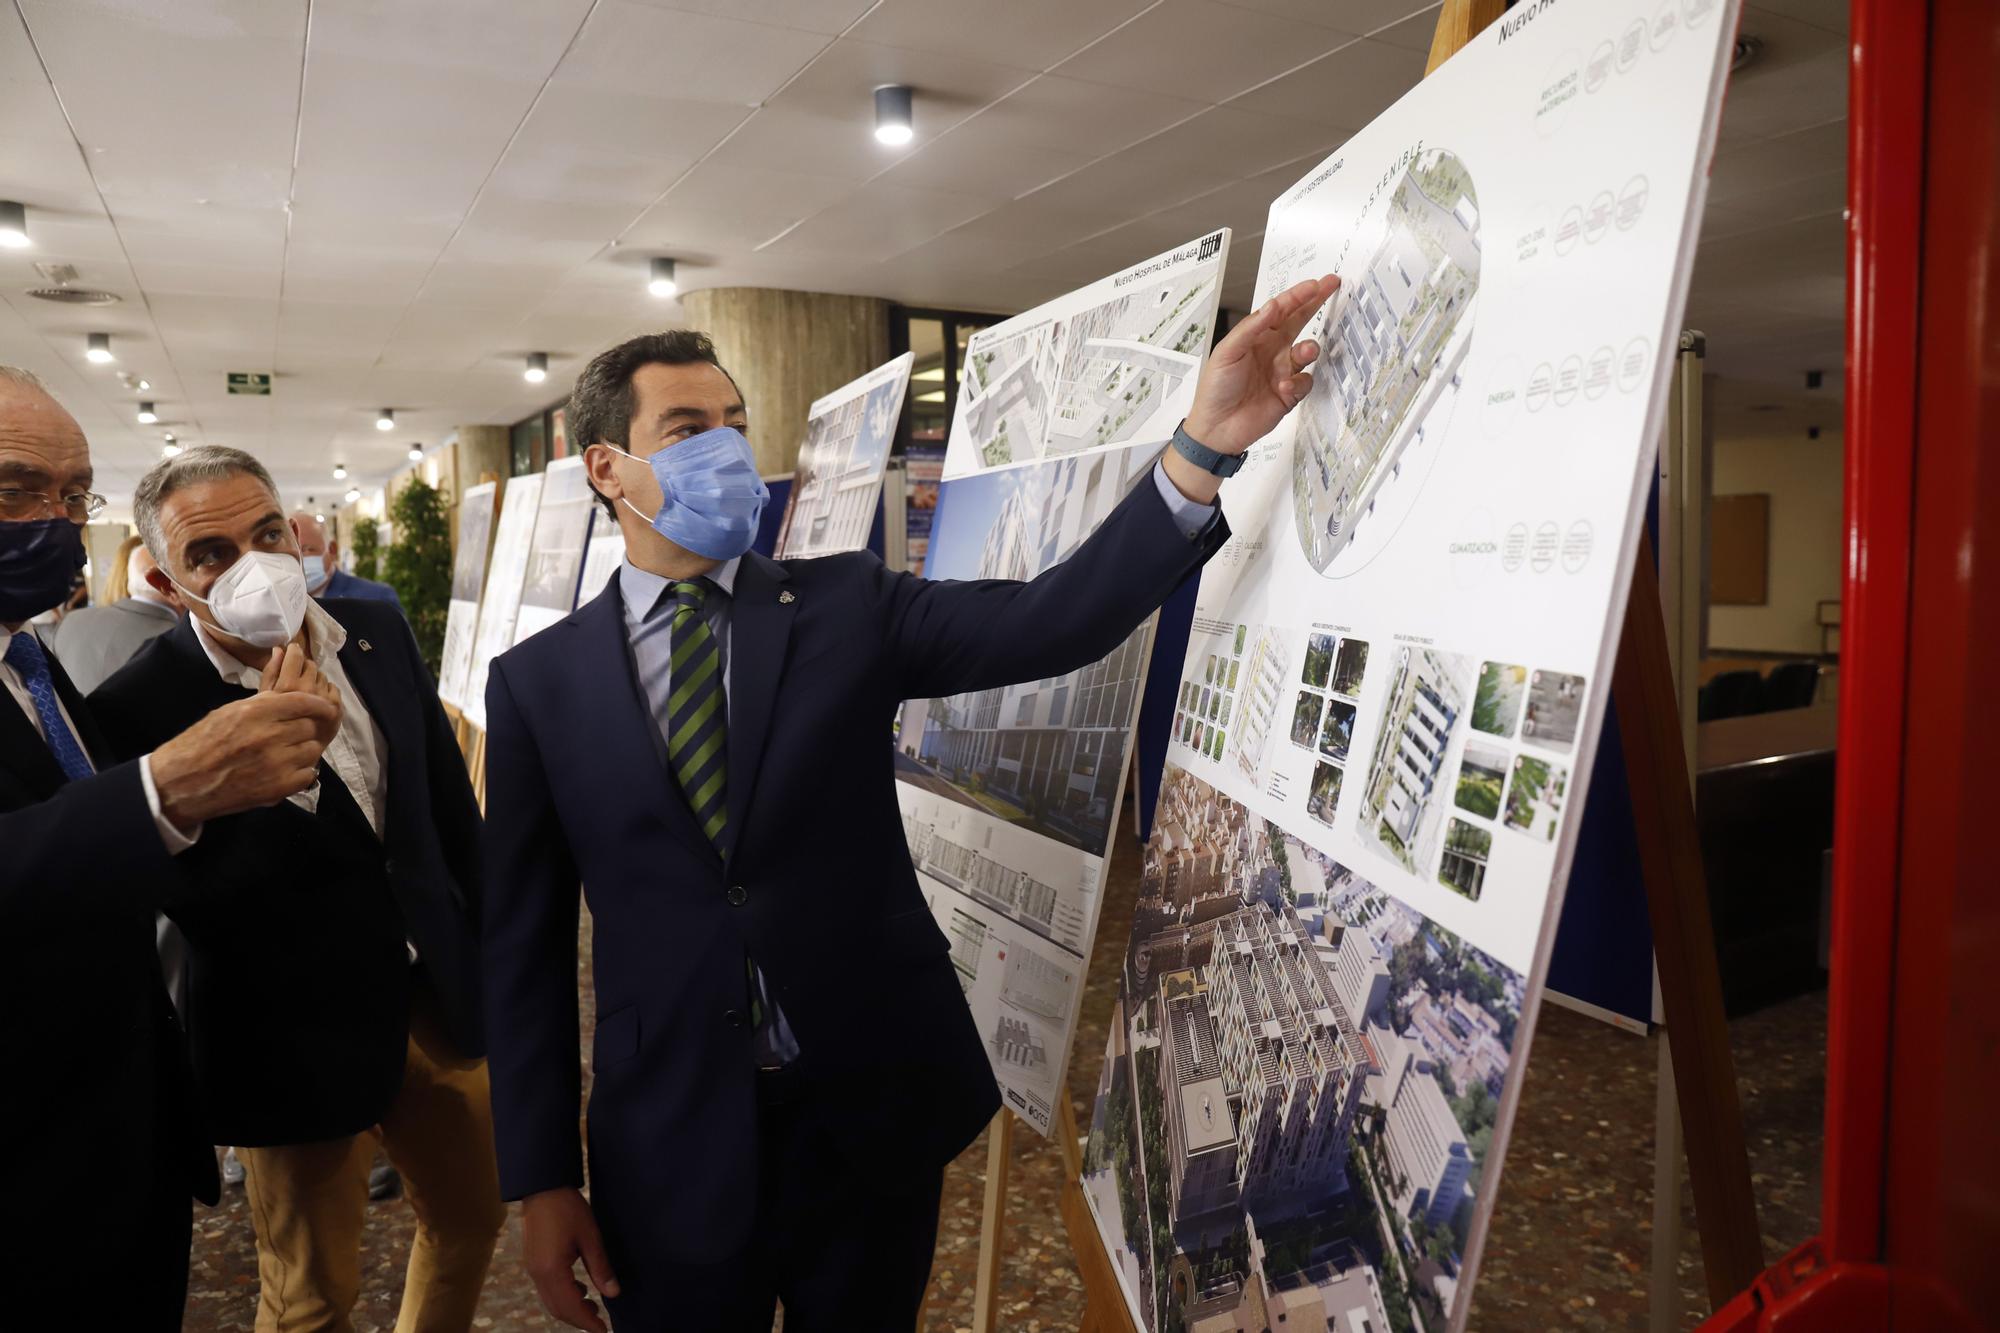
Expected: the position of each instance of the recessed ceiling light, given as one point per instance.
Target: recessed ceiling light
(340, 472)
(13, 225)
(893, 123)
(97, 349)
(353, 494)
(170, 449)
(147, 416)
(318, 516)
(538, 368)
(416, 453)
(385, 419)
(662, 283)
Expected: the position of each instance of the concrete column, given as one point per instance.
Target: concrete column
(785, 349)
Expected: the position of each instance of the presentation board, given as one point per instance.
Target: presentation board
(837, 485)
(1396, 680)
(555, 549)
(1009, 795)
(501, 601)
(603, 550)
(1107, 366)
(468, 578)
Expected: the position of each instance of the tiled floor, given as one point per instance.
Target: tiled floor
(1571, 1240)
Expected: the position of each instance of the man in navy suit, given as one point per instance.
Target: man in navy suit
(783, 1060)
(321, 556)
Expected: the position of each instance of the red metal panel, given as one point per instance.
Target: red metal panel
(1942, 1199)
(1885, 163)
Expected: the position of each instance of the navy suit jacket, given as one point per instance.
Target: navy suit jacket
(297, 923)
(98, 1101)
(815, 880)
(341, 584)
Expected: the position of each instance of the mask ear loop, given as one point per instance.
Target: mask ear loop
(643, 517)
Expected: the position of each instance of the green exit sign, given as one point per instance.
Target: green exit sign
(249, 382)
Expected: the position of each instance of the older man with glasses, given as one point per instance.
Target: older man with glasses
(109, 1148)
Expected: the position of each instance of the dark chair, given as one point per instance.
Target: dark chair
(1732, 694)
(1791, 685)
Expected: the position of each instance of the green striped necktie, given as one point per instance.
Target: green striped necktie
(697, 717)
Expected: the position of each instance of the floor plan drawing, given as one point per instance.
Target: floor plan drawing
(1108, 365)
(1394, 340)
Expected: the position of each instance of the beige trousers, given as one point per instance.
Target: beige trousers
(309, 1201)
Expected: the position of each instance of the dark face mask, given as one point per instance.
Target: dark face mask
(37, 562)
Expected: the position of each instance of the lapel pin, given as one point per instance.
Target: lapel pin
(786, 598)
(366, 646)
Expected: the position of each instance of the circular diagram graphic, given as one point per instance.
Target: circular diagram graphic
(1388, 374)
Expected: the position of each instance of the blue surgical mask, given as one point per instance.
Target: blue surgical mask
(712, 495)
(315, 567)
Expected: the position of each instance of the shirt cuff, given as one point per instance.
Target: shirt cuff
(176, 841)
(1189, 516)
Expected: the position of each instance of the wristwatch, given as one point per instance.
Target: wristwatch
(1203, 457)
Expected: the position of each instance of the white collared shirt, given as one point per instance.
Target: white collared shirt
(175, 841)
(357, 752)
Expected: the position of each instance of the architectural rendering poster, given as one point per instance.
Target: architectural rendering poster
(501, 602)
(1392, 692)
(468, 577)
(1008, 795)
(555, 550)
(837, 487)
(1109, 365)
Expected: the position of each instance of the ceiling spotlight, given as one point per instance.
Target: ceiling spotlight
(13, 225)
(318, 517)
(538, 368)
(340, 472)
(147, 416)
(144, 385)
(353, 494)
(386, 419)
(168, 437)
(893, 125)
(663, 284)
(416, 453)
(170, 450)
(97, 349)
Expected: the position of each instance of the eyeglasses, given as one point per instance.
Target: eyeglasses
(18, 506)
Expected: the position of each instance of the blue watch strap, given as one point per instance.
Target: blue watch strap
(1203, 457)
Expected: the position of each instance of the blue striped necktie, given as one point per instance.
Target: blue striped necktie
(25, 655)
(697, 717)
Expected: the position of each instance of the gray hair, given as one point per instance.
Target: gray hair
(191, 467)
(26, 379)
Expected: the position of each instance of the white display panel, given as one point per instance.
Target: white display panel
(603, 550)
(501, 602)
(837, 486)
(555, 550)
(1396, 677)
(1109, 365)
(468, 578)
(1008, 795)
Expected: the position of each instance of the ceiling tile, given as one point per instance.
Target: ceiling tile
(724, 209)
(686, 57)
(1347, 88)
(1032, 34)
(822, 16)
(1798, 80)
(1357, 16)
(983, 157)
(878, 224)
(1200, 49)
(1068, 115)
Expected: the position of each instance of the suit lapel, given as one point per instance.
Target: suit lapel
(621, 720)
(388, 707)
(760, 628)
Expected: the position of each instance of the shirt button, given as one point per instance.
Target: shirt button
(738, 895)
(734, 1018)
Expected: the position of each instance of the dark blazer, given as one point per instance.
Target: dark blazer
(97, 1103)
(341, 584)
(97, 640)
(299, 977)
(816, 881)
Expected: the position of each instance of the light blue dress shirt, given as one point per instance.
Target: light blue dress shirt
(649, 627)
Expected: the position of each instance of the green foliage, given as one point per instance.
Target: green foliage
(367, 548)
(418, 564)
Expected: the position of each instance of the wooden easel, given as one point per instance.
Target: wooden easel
(1683, 943)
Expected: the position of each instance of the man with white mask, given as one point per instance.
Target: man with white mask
(332, 938)
(324, 576)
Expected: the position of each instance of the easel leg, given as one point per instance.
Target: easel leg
(1656, 768)
(992, 1223)
(1664, 1292)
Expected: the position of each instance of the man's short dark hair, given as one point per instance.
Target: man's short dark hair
(600, 406)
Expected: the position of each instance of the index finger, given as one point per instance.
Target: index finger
(268, 679)
(1305, 299)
